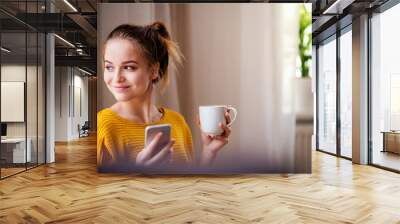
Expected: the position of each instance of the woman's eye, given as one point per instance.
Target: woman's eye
(129, 68)
(109, 68)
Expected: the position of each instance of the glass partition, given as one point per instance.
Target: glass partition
(22, 91)
(346, 93)
(327, 96)
(13, 95)
(31, 99)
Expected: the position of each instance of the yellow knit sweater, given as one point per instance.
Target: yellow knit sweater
(120, 140)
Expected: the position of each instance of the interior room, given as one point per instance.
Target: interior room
(346, 123)
(22, 99)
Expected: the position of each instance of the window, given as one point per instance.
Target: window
(346, 93)
(327, 96)
(385, 89)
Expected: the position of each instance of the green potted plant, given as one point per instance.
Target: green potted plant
(305, 39)
(304, 97)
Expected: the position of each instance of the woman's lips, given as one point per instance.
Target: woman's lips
(120, 89)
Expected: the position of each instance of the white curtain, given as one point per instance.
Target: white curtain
(243, 55)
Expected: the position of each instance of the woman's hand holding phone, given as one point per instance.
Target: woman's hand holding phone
(153, 156)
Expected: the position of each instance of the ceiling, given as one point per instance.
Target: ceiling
(72, 20)
(330, 15)
(76, 22)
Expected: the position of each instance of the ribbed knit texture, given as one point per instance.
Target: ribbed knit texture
(120, 140)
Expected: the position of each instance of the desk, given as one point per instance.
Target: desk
(391, 141)
(13, 150)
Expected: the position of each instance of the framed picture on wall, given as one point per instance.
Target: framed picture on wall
(12, 101)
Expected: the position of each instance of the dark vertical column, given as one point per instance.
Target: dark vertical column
(37, 88)
(44, 69)
(1, 164)
(26, 86)
(369, 96)
(317, 90)
(338, 91)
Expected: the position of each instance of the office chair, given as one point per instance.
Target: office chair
(84, 130)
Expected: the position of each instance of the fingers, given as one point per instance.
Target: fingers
(162, 156)
(222, 139)
(228, 116)
(227, 130)
(168, 160)
(151, 148)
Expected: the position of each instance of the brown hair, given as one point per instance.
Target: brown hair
(156, 44)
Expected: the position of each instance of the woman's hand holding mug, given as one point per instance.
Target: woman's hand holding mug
(215, 124)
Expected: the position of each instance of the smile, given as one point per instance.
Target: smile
(120, 88)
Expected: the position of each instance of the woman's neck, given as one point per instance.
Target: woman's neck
(141, 110)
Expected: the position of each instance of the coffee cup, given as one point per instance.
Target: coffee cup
(211, 116)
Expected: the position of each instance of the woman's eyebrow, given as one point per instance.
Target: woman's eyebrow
(106, 61)
(130, 61)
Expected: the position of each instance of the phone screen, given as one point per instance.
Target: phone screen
(151, 132)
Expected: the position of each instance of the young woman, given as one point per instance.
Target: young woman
(136, 58)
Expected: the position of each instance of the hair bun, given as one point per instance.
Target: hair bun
(160, 28)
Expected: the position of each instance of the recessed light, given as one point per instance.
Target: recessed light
(70, 5)
(5, 49)
(337, 7)
(84, 71)
(64, 40)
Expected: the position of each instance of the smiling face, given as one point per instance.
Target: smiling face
(127, 73)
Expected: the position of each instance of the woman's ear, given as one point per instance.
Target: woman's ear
(154, 71)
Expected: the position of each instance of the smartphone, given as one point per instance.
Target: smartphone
(151, 131)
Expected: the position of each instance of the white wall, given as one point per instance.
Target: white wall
(68, 83)
(61, 103)
(80, 102)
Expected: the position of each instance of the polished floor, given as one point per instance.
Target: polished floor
(387, 159)
(5, 172)
(71, 191)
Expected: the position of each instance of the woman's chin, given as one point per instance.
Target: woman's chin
(122, 97)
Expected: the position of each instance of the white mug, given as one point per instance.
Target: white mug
(211, 116)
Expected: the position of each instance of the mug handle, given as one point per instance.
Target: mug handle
(234, 115)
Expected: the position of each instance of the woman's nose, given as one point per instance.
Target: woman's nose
(119, 76)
